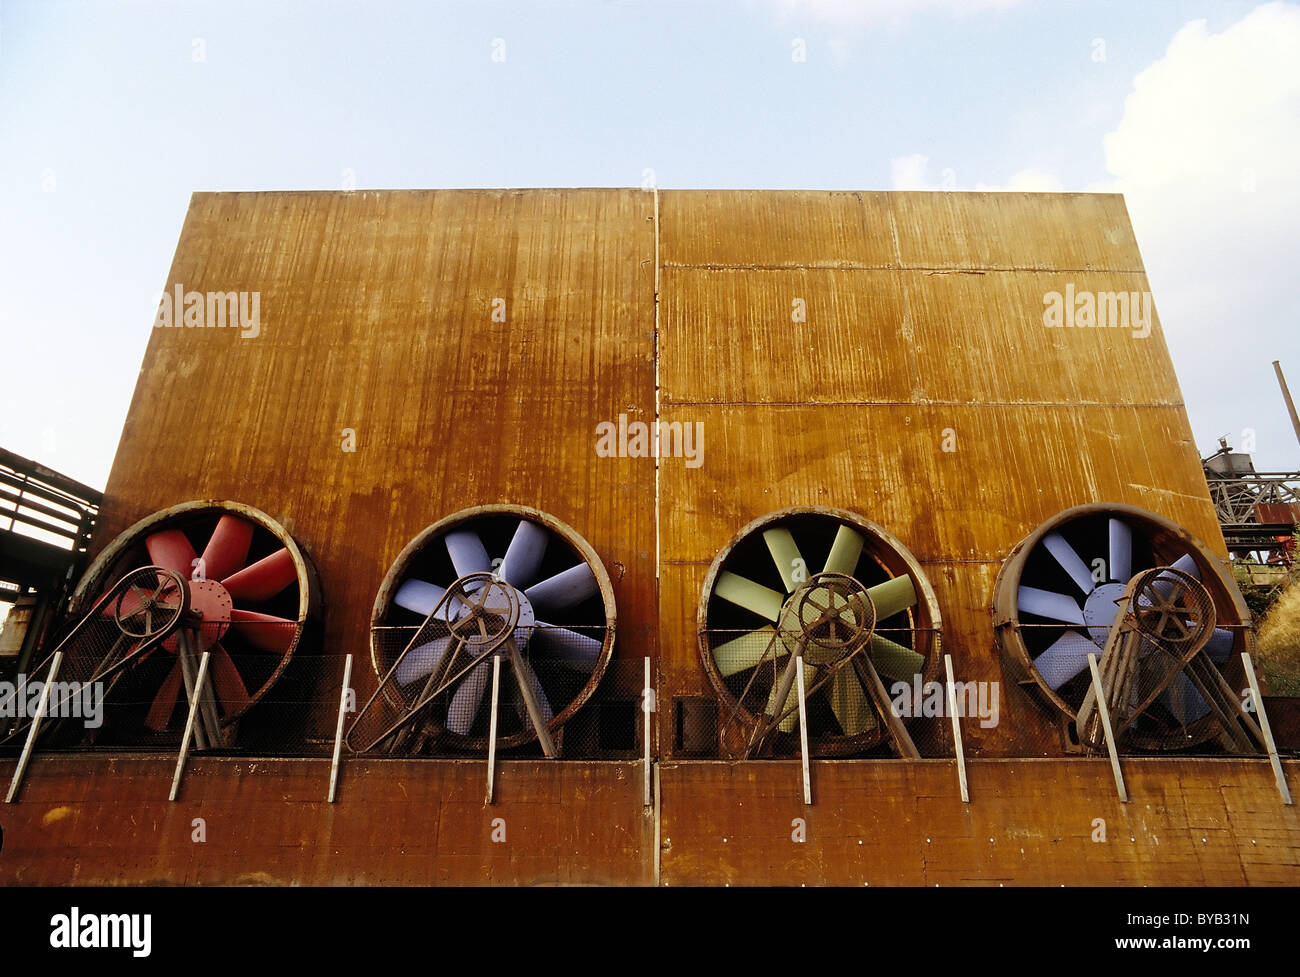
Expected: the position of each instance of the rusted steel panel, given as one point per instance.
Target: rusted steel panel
(1030, 822)
(1062, 231)
(91, 820)
(776, 229)
(376, 315)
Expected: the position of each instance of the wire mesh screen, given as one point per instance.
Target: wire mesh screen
(435, 695)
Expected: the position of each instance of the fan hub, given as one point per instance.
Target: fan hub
(831, 613)
(213, 602)
(485, 611)
(1099, 611)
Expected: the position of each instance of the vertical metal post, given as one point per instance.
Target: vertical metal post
(647, 700)
(1264, 728)
(1286, 395)
(189, 724)
(26, 756)
(1103, 710)
(803, 730)
(338, 732)
(959, 748)
(492, 731)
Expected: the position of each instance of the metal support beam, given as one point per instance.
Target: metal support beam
(1286, 395)
(803, 730)
(1103, 710)
(492, 728)
(189, 724)
(41, 705)
(338, 732)
(959, 749)
(1267, 730)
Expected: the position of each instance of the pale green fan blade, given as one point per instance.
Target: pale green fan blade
(744, 652)
(893, 660)
(785, 554)
(845, 551)
(892, 596)
(849, 702)
(791, 700)
(763, 601)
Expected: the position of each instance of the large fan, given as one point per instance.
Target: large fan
(750, 623)
(435, 678)
(1055, 602)
(247, 579)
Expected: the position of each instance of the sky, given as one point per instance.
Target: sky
(112, 114)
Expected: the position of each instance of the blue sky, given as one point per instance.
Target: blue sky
(111, 114)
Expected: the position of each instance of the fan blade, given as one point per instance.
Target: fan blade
(171, 550)
(892, 597)
(763, 601)
(566, 589)
(421, 660)
(1184, 700)
(1121, 551)
(1219, 647)
(524, 555)
(164, 703)
(132, 600)
(468, 699)
(845, 551)
(1187, 564)
(785, 554)
(1064, 658)
(265, 631)
(1070, 562)
(264, 579)
(227, 683)
(1048, 603)
(744, 652)
(227, 549)
(791, 699)
(894, 660)
(568, 648)
(849, 703)
(530, 677)
(467, 552)
(421, 598)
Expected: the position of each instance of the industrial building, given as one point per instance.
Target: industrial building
(584, 477)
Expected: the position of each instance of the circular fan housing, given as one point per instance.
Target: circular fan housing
(752, 598)
(1054, 603)
(256, 590)
(564, 631)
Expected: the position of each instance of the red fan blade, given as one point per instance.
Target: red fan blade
(164, 703)
(265, 631)
(131, 601)
(264, 579)
(227, 550)
(227, 682)
(171, 550)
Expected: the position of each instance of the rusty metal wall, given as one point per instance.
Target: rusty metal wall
(376, 316)
(91, 820)
(923, 320)
(924, 316)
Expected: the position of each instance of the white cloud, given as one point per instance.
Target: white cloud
(908, 172)
(1206, 155)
